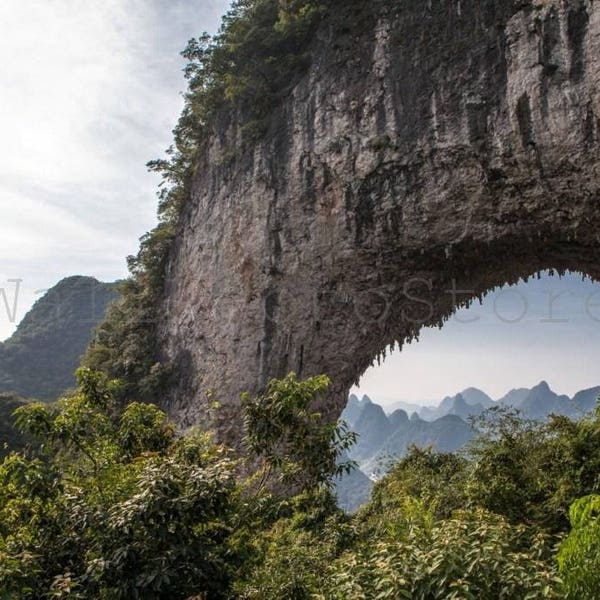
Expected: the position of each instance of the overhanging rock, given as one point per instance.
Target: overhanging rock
(435, 149)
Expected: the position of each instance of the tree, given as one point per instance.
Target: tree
(436, 479)
(531, 472)
(114, 505)
(295, 441)
(579, 555)
(475, 554)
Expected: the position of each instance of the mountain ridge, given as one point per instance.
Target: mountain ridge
(384, 437)
(537, 402)
(40, 358)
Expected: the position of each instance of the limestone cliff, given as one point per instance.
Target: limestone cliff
(436, 148)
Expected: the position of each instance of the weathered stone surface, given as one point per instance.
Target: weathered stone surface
(432, 142)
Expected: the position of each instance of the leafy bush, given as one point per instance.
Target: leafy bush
(115, 506)
(579, 556)
(10, 437)
(473, 555)
(531, 472)
(436, 479)
(293, 553)
(296, 443)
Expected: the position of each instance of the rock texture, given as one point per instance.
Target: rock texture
(436, 148)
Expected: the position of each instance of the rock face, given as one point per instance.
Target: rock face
(436, 148)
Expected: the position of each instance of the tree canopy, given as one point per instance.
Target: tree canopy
(111, 502)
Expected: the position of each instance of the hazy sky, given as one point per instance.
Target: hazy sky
(90, 91)
(546, 329)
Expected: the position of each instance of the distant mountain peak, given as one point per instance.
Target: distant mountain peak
(535, 403)
(542, 386)
(40, 358)
(398, 417)
(475, 396)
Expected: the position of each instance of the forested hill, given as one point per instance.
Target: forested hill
(40, 358)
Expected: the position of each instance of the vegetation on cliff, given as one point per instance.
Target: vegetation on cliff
(113, 504)
(238, 75)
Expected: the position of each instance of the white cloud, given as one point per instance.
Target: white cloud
(90, 91)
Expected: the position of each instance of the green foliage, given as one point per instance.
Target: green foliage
(472, 555)
(292, 553)
(124, 345)
(114, 505)
(408, 553)
(531, 472)
(144, 428)
(424, 533)
(255, 59)
(294, 440)
(579, 556)
(10, 437)
(436, 479)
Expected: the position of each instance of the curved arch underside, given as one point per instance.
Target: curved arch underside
(447, 148)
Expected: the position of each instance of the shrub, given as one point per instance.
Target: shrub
(579, 555)
(531, 472)
(295, 441)
(473, 555)
(114, 505)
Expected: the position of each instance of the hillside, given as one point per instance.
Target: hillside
(40, 358)
(447, 434)
(383, 438)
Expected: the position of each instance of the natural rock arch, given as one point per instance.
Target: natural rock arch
(437, 145)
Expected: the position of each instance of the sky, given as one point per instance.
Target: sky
(90, 91)
(546, 329)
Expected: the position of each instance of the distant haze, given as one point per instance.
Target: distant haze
(547, 329)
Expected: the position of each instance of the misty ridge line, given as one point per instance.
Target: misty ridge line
(414, 297)
(9, 307)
